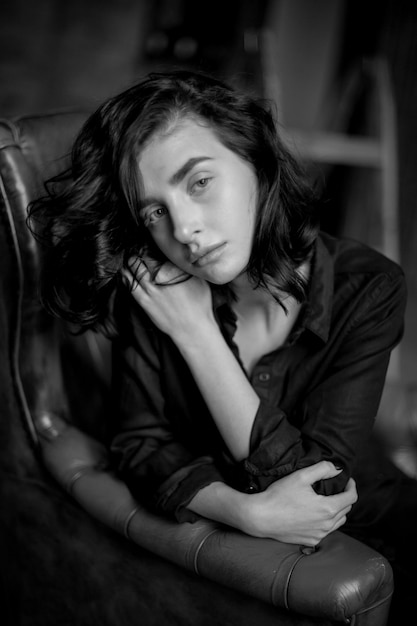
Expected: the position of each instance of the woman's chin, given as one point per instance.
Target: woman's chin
(220, 276)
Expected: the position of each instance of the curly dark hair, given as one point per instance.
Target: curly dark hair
(90, 220)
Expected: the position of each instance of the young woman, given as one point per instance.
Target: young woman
(250, 348)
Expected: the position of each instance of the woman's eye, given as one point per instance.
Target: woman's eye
(201, 183)
(154, 215)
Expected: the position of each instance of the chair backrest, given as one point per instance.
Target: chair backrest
(32, 150)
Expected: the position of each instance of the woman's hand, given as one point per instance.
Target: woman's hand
(179, 304)
(289, 510)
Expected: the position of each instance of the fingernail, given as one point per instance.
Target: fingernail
(45, 427)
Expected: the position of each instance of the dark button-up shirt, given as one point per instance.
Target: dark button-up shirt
(319, 393)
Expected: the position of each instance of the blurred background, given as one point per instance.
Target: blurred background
(342, 75)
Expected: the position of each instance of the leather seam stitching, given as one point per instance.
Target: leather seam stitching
(287, 582)
(198, 550)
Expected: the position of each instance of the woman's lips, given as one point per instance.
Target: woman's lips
(208, 255)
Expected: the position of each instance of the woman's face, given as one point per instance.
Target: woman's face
(200, 202)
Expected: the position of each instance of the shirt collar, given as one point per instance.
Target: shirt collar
(317, 311)
(318, 308)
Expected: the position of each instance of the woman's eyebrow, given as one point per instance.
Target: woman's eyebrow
(180, 174)
(176, 178)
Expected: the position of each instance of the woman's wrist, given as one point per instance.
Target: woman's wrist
(196, 337)
(221, 503)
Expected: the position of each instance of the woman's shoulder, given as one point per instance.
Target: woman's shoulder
(350, 256)
(361, 283)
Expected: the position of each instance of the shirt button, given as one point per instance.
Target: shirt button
(264, 377)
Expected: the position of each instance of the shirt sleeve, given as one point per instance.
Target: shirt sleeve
(336, 412)
(155, 461)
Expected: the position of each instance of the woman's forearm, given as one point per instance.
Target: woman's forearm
(289, 510)
(220, 503)
(231, 399)
(184, 311)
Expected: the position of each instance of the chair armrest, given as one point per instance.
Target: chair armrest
(339, 579)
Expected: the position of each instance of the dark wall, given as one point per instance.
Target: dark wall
(389, 28)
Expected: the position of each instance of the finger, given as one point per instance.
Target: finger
(137, 290)
(128, 276)
(151, 264)
(130, 279)
(339, 523)
(133, 263)
(169, 274)
(344, 511)
(138, 266)
(49, 426)
(350, 490)
(341, 516)
(138, 275)
(345, 498)
(319, 471)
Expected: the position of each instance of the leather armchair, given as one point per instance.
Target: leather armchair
(77, 549)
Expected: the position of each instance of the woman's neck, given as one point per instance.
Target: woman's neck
(262, 325)
(250, 297)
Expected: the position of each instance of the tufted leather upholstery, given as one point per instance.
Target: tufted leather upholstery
(64, 513)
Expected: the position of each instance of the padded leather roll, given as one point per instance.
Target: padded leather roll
(336, 581)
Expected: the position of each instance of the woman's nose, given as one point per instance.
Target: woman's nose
(186, 221)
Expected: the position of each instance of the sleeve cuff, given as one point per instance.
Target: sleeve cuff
(178, 490)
